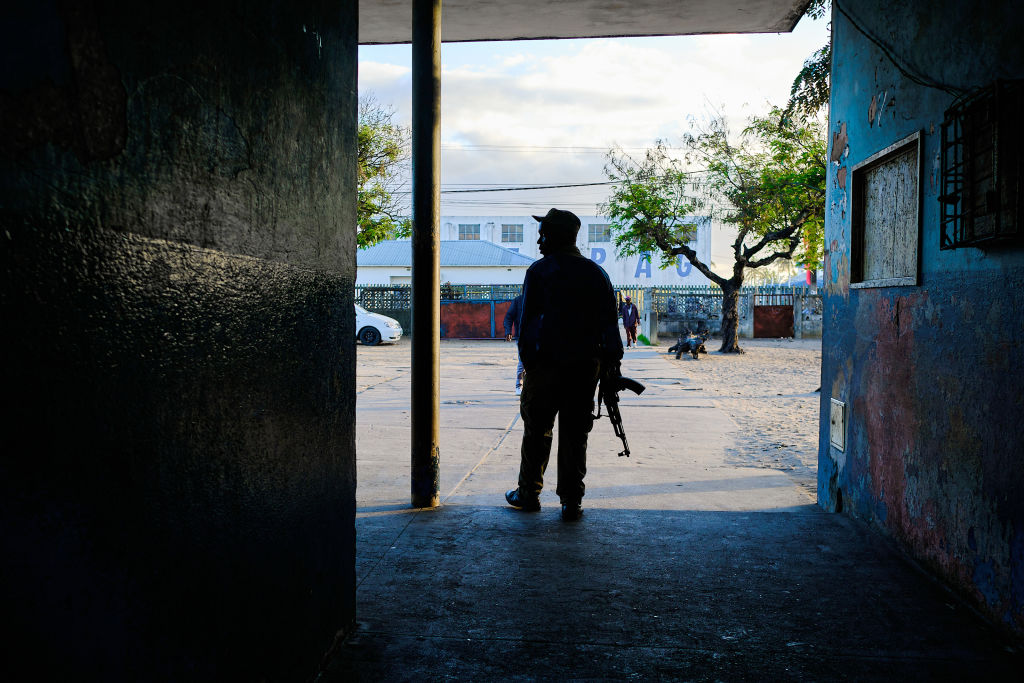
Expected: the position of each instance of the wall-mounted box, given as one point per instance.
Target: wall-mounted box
(837, 425)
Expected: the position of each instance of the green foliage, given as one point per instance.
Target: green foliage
(818, 8)
(811, 87)
(382, 159)
(810, 91)
(789, 193)
(648, 202)
(769, 184)
(642, 338)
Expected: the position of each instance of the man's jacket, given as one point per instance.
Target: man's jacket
(569, 312)
(515, 311)
(630, 315)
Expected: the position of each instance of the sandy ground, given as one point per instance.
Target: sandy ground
(769, 392)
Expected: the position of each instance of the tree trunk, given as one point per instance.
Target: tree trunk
(730, 318)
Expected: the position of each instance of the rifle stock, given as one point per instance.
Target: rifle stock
(631, 384)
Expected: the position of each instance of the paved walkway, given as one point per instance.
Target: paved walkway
(684, 566)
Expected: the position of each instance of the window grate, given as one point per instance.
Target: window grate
(980, 160)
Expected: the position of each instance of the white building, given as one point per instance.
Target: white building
(498, 249)
(519, 233)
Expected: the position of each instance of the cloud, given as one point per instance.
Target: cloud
(514, 60)
(582, 94)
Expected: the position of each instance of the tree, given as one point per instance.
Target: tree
(810, 91)
(382, 155)
(770, 184)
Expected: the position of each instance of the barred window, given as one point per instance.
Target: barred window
(469, 231)
(981, 168)
(599, 232)
(512, 232)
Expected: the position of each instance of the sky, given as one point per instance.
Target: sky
(545, 112)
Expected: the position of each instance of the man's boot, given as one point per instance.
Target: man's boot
(521, 502)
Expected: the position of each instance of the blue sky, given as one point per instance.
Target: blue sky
(543, 112)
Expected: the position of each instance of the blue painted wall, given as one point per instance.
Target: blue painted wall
(177, 475)
(931, 374)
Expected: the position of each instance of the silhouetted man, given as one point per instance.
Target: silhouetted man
(569, 337)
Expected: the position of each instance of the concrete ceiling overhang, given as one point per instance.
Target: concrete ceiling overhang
(389, 21)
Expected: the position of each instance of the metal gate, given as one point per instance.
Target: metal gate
(477, 319)
(773, 315)
(773, 321)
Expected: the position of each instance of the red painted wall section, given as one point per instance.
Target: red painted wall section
(886, 400)
(500, 309)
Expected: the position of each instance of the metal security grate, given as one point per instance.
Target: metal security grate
(980, 159)
(384, 298)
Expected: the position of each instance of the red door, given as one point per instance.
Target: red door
(773, 321)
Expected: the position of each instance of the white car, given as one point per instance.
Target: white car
(373, 328)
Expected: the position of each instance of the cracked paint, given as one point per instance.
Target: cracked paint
(839, 143)
(837, 270)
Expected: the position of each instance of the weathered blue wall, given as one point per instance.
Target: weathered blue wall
(177, 480)
(931, 374)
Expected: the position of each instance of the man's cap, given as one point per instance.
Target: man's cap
(558, 220)
(627, 298)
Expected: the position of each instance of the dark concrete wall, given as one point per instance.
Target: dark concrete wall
(932, 373)
(177, 481)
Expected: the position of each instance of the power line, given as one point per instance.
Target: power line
(488, 187)
(532, 187)
(541, 149)
(516, 188)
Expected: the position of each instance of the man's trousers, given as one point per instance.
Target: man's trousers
(566, 390)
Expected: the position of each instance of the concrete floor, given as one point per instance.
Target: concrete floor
(684, 566)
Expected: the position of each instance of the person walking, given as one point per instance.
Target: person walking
(630, 317)
(568, 339)
(512, 322)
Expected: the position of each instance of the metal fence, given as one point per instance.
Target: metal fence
(450, 292)
(688, 301)
(686, 305)
(384, 297)
(399, 297)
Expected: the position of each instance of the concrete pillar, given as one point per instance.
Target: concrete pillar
(178, 183)
(649, 317)
(798, 314)
(426, 250)
(746, 327)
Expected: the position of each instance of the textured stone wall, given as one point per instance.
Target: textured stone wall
(931, 374)
(176, 209)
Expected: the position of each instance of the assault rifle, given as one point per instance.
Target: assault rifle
(608, 393)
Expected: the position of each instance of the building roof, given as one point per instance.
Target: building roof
(453, 253)
(389, 21)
